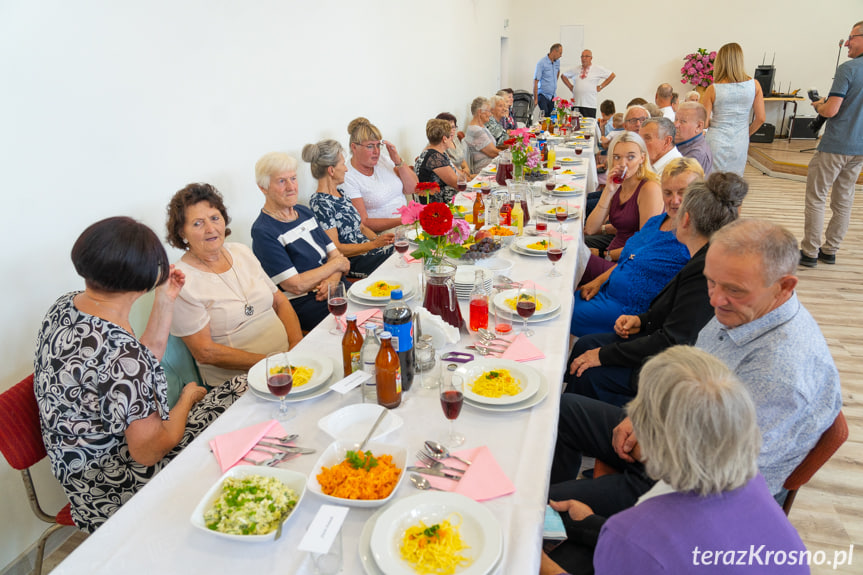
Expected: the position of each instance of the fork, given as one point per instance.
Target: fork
(433, 463)
(284, 439)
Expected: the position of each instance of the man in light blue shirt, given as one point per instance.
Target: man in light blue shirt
(839, 158)
(545, 79)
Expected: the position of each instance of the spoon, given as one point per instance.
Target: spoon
(439, 450)
(372, 430)
(486, 335)
(482, 350)
(421, 482)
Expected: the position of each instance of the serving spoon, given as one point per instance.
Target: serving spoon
(421, 482)
(439, 450)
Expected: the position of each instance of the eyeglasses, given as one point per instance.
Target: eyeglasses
(370, 147)
(854, 36)
(636, 120)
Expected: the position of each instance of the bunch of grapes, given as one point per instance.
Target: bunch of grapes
(481, 249)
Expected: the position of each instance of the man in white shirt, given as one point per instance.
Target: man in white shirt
(585, 82)
(658, 135)
(663, 97)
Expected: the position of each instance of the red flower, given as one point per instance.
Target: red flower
(436, 219)
(430, 187)
(509, 142)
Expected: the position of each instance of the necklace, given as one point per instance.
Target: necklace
(249, 309)
(277, 217)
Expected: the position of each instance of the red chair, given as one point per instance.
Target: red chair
(21, 445)
(830, 440)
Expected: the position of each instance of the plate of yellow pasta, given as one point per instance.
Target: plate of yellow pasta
(546, 302)
(310, 373)
(498, 381)
(436, 533)
(378, 289)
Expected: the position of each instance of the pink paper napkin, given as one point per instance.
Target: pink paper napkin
(566, 237)
(469, 195)
(410, 259)
(362, 317)
(521, 349)
(483, 480)
(533, 284)
(231, 447)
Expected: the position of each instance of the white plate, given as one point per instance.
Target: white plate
(523, 242)
(540, 394)
(323, 370)
(549, 301)
(479, 530)
(370, 303)
(516, 320)
(572, 213)
(359, 288)
(526, 375)
(515, 249)
(335, 454)
(293, 479)
(365, 546)
(351, 423)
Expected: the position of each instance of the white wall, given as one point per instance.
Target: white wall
(108, 107)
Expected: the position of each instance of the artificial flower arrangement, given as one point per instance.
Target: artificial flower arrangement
(444, 234)
(698, 68)
(523, 153)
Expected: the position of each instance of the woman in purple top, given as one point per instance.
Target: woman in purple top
(625, 206)
(711, 510)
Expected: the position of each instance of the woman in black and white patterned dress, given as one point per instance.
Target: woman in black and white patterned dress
(101, 392)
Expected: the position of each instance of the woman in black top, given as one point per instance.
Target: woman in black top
(433, 164)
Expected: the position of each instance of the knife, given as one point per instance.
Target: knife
(435, 472)
(287, 448)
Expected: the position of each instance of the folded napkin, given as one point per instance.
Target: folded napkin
(533, 284)
(362, 317)
(483, 480)
(521, 349)
(565, 237)
(468, 195)
(410, 259)
(230, 448)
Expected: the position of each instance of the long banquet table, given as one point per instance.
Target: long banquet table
(152, 532)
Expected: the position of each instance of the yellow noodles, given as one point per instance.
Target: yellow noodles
(302, 374)
(540, 245)
(436, 549)
(511, 303)
(563, 188)
(496, 383)
(381, 289)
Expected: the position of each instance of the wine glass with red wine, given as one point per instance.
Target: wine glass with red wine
(618, 177)
(401, 244)
(525, 306)
(561, 212)
(451, 400)
(554, 253)
(280, 381)
(550, 181)
(461, 182)
(337, 303)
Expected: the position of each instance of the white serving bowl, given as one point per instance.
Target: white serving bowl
(354, 421)
(335, 454)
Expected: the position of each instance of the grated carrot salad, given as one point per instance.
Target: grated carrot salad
(346, 482)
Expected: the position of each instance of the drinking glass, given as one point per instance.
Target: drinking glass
(525, 306)
(554, 253)
(502, 321)
(401, 244)
(451, 400)
(461, 182)
(280, 380)
(337, 303)
(561, 212)
(550, 181)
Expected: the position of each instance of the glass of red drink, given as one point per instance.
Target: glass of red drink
(541, 227)
(618, 177)
(561, 212)
(461, 182)
(400, 242)
(451, 400)
(525, 306)
(554, 253)
(337, 303)
(502, 321)
(280, 381)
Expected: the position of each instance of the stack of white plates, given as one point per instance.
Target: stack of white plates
(549, 305)
(464, 278)
(381, 538)
(361, 291)
(534, 387)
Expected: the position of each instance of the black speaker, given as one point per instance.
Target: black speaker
(800, 128)
(764, 135)
(764, 76)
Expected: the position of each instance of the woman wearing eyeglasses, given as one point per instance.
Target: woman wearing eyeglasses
(376, 183)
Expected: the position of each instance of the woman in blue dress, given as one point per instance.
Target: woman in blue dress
(729, 101)
(337, 215)
(648, 261)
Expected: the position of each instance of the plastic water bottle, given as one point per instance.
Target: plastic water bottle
(368, 354)
(398, 320)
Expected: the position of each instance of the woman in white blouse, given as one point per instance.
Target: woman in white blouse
(376, 184)
(229, 313)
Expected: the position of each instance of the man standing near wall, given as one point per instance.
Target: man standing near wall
(545, 79)
(585, 82)
(838, 160)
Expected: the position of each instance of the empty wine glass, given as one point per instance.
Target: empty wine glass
(280, 380)
(525, 306)
(451, 400)
(401, 244)
(337, 303)
(554, 253)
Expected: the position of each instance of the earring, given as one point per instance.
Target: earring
(185, 241)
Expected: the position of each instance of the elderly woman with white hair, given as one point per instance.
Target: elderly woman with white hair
(499, 109)
(481, 147)
(293, 249)
(698, 436)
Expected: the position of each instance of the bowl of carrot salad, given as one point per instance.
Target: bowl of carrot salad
(368, 478)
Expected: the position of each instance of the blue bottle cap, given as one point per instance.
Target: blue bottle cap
(396, 294)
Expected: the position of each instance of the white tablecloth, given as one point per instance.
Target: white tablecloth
(152, 532)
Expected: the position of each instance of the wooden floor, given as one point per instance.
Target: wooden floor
(828, 511)
(785, 158)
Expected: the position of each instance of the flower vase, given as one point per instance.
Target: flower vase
(518, 171)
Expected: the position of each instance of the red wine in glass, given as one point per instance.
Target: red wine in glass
(578, 151)
(549, 184)
(337, 306)
(554, 254)
(401, 246)
(525, 308)
(462, 186)
(451, 402)
(486, 190)
(280, 384)
(618, 178)
(561, 214)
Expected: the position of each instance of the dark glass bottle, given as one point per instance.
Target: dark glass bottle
(388, 380)
(352, 343)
